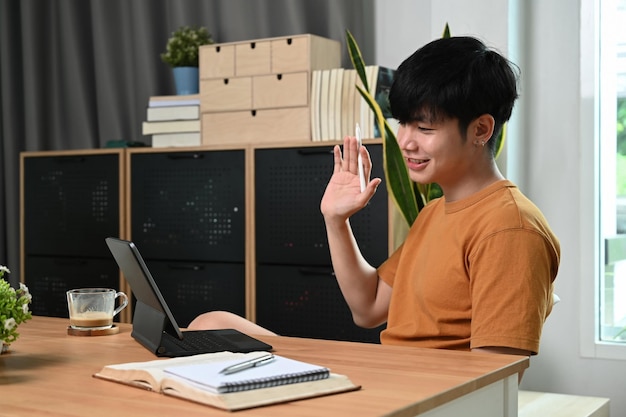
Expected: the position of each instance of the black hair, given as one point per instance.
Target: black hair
(457, 77)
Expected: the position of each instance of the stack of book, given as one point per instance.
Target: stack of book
(336, 105)
(173, 120)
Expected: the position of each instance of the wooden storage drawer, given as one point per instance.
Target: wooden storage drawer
(226, 94)
(252, 58)
(257, 126)
(304, 53)
(217, 61)
(280, 90)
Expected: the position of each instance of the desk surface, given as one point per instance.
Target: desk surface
(48, 372)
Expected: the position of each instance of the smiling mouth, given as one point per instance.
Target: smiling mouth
(417, 161)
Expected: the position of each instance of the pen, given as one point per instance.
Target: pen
(359, 158)
(251, 363)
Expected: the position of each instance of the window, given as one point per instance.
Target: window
(612, 118)
(603, 116)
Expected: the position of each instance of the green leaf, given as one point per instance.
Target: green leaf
(446, 32)
(500, 141)
(399, 183)
(400, 186)
(357, 59)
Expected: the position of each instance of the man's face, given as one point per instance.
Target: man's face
(435, 151)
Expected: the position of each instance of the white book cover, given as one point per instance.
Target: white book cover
(174, 100)
(164, 140)
(154, 114)
(170, 126)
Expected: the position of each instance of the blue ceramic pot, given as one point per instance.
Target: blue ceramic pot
(186, 80)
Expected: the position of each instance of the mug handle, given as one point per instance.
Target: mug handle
(124, 302)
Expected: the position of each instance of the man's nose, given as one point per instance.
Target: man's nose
(403, 136)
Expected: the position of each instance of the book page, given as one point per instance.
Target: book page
(280, 371)
(149, 374)
(315, 106)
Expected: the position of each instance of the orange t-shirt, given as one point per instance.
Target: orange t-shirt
(473, 273)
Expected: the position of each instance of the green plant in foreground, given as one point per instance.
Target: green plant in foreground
(13, 307)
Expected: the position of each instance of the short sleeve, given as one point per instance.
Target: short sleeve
(511, 285)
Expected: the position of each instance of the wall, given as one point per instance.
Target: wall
(543, 38)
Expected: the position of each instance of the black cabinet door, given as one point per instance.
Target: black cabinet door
(71, 204)
(192, 288)
(289, 186)
(48, 278)
(189, 205)
(306, 302)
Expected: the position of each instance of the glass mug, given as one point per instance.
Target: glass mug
(94, 308)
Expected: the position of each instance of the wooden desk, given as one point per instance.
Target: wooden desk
(48, 373)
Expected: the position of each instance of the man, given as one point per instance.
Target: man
(477, 267)
(476, 270)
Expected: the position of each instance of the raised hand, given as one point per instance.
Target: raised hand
(343, 196)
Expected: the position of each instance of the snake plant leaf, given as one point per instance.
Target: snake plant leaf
(427, 192)
(500, 141)
(399, 183)
(446, 32)
(420, 190)
(357, 59)
(402, 189)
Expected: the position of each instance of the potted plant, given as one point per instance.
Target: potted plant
(181, 53)
(13, 310)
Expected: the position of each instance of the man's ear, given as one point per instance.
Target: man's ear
(481, 128)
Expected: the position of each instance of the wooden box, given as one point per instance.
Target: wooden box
(280, 90)
(225, 94)
(252, 58)
(257, 126)
(304, 53)
(217, 61)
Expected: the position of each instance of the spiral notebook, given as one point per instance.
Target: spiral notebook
(280, 371)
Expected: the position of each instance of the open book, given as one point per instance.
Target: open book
(197, 378)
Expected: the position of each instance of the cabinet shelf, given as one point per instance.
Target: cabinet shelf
(223, 227)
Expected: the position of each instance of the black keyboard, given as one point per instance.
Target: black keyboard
(199, 341)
